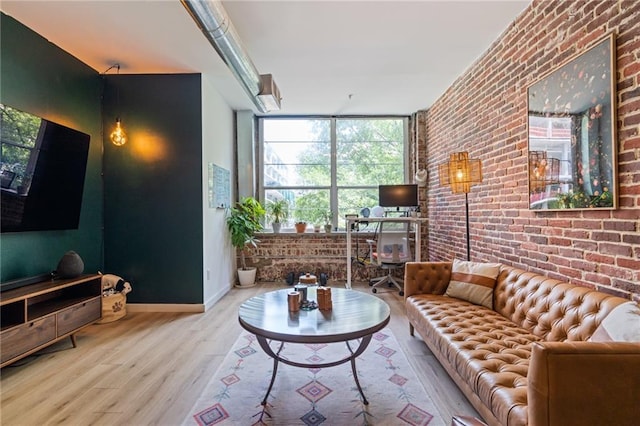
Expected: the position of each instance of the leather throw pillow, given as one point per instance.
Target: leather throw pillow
(473, 282)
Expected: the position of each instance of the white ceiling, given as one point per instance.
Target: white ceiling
(327, 57)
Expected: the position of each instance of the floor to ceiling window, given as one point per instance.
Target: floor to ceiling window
(328, 167)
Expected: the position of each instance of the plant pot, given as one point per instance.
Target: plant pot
(327, 229)
(247, 277)
(301, 227)
(316, 228)
(276, 227)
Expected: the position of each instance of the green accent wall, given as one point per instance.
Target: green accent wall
(38, 77)
(153, 186)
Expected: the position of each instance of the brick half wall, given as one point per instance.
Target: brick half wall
(279, 254)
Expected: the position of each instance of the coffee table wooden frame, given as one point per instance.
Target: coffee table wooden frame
(355, 317)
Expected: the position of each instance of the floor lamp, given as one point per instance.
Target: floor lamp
(460, 173)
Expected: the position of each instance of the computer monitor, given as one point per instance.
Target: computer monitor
(398, 195)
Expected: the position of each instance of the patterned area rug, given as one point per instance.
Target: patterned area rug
(312, 396)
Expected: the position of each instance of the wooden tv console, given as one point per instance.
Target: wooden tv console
(37, 315)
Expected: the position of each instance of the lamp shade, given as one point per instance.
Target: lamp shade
(543, 171)
(460, 172)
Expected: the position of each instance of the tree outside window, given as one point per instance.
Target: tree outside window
(19, 136)
(335, 165)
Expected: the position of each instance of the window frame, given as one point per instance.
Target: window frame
(333, 187)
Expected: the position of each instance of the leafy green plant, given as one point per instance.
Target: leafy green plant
(311, 215)
(328, 217)
(579, 199)
(300, 215)
(605, 199)
(278, 210)
(244, 221)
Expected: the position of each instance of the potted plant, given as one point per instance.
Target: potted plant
(243, 222)
(328, 217)
(301, 220)
(301, 226)
(278, 211)
(320, 217)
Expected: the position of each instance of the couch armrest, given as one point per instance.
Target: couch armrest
(580, 383)
(426, 277)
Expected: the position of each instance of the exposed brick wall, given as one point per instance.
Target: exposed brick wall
(279, 254)
(420, 141)
(485, 112)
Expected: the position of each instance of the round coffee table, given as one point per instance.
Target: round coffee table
(355, 316)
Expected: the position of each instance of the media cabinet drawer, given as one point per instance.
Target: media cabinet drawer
(21, 339)
(79, 315)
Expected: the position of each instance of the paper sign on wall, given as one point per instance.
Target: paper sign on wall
(219, 187)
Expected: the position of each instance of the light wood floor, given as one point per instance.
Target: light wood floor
(150, 368)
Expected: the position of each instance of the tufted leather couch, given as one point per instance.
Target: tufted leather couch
(528, 360)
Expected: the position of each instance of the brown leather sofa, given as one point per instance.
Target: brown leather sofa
(527, 361)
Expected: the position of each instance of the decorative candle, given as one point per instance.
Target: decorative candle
(293, 300)
(324, 298)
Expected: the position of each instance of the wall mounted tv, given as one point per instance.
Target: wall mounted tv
(398, 195)
(42, 171)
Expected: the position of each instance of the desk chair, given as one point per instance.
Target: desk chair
(390, 251)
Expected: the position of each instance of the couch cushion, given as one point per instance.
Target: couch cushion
(621, 325)
(489, 352)
(473, 282)
(551, 309)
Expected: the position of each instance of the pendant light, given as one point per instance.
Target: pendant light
(118, 136)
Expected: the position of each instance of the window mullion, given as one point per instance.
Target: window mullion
(293, 162)
(407, 154)
(333, 194)
(260, 163)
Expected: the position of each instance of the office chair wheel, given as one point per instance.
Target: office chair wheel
(374, 290)
(323, 279)
(290, 279)
(370, 283)
(401, 293)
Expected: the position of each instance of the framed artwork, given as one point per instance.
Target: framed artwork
(572, 133)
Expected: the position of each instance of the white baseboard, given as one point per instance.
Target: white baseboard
(216, 297)
(165, 307)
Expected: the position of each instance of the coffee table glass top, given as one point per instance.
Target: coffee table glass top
(354, 315)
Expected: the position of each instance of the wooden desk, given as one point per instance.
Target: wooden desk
(415, 221)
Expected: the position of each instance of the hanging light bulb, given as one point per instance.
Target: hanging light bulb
(118, 136)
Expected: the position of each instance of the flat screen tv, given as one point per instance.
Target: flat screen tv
(398, 195)
(42, 170)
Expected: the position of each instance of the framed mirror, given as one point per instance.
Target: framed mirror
(572, 133)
